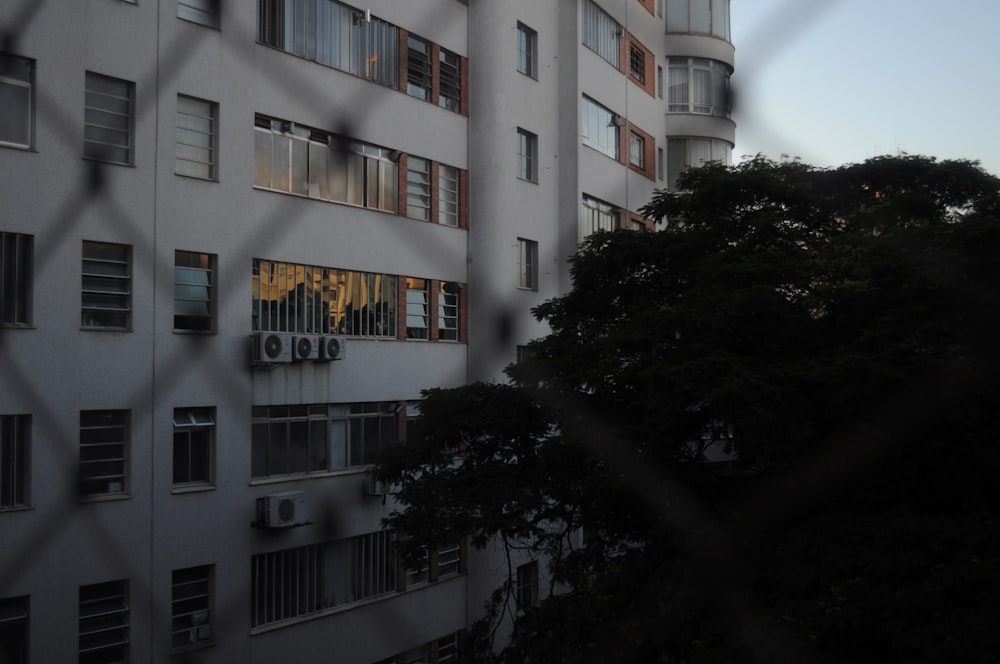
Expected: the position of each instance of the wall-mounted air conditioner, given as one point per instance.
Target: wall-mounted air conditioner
(272, 347)
(283, 510)
(332, 348)
(305, 347)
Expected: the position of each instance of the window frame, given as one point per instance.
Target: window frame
(597, 215)
(207, 135)
(526, 588)
(15, 615)
(303, 161)
(527, 51)
(187, 422)
(325, 304)
(419, 67)
(15, 461)
(449, 305)
(450, 80)
(17, 257)
(636, 150)
(339, 437)
(98, 276)
(14, 82)
(91, 421)
(527, 264)
(111, 102)
(363, 567)
(195, 263)
(202, 12)
(418, 188)
(527, 155)
(449, 182)
(418, 309)
(99, 605)
(602, 34)
(683, 95)
(606, 123)
(195, 603)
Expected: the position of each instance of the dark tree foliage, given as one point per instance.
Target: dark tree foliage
(832, 332)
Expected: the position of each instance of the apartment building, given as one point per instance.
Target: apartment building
(237, 239)
(603, 101)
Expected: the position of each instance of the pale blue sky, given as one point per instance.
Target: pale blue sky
(838, 81)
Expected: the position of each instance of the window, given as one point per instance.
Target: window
(697, 85)
(637, 63)
(659, 163)
(527, 51)
(527, 155)
(295, 159)
(288, 297)
(659, 81)
(600, 127)
(527, 264)
(419, 73)
(194, 446)
(17, 101)
(107, 285)
(320, 438)
(332, 34)
(104, 623)
(449, 559)
(194, 291)
(14, 630)
(107, 119)
(526, 590)
(450, 81)
(597, 215)
(191, 607)
(104, 442)
(699, 16)
(418, 188)
(15, 469)
(448, 311)
(16, 261)
(601, 32)
(307, 580)
(205, 12)
(196, 135)
(448, 195)
(683, 153)
(444, 650)
(418, 309)
(637, 150)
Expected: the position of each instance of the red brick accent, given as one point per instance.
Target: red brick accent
(435, 74)
(463, 199)
(401, 307)
(435, 194)
(463, 314)
(432, 303)
(623, 52)
(463, 105)
(650, 6)
(401, 186)
(647, 224)
(404, 59)
(648, 69)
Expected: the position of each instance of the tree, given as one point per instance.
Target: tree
(833, 331)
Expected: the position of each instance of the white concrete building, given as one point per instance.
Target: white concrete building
(237, 239)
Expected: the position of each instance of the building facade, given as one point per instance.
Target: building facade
(238, 239)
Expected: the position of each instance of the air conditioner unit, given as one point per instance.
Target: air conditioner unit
(332, 348)
(377, 488)
(305, 347)
(282, 510)
(272, 347)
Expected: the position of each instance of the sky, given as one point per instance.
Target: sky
(840, 81)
